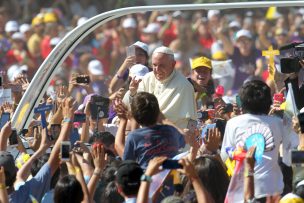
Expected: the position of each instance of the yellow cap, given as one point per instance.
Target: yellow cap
(219, 55)
(201, 62)
(37, 20)
(50, 18)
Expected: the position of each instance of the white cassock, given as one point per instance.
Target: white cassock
(175, 96)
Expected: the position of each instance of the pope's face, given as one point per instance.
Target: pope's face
(163, 65)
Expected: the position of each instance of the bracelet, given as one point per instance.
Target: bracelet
(2, 186)
(146, 178)
(66, 120)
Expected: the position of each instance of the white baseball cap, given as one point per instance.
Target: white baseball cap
(234, 24)
(129, 23)
(95, 67)
(164, 50)
(152, 28)
(138, 71)
(243, 33)
(212, 13)
(141, 45)
(15, 70)
(24, 28)
(54, 41)
(11, 26)
(18, 36)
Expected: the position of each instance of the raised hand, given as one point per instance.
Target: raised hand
(250, 161)
(214, 138)
(154, 165)
(68, 108)
(99, 157)
(134, 86)
(120, 109)
(188, 168)
(7, 108)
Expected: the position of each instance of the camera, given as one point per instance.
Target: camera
(99, 107)
(291, 64)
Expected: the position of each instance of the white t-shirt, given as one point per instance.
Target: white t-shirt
(268, 178)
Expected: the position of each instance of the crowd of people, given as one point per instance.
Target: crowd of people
(154, 107)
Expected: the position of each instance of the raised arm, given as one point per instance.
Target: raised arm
(24, 172)
(99, 158)
(202, 194)
(152, 169)
(66, 127)
(249, 175)
(122, 112)
(228, 46)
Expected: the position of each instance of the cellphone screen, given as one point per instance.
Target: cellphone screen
(85, 80)
(297, 157)
(65, 151)
(238, 101)
(55, 131)
(5, 117)
(79, 117)
(130, 51)
(99, 107)
(171, 164)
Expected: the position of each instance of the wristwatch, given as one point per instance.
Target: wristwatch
(146, 178)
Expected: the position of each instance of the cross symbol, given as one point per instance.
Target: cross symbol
(271, 54)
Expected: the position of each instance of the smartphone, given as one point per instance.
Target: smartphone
(297, 157)
(192, 125)
(99, 107)
(171, 164)
(301, 121)
(79, 117)
(130, 51)
(83, 79)
(55, 131)
(13, 140)
(5, 117)
(65, 151)
(1, 80)
(202, 115)
(238, 101)
(278, 97)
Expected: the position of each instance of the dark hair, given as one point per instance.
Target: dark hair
(111, 195)
(213, 177)
(255, 97)
(105, 138)
(68, 189)
(10, 177)
(145, 108)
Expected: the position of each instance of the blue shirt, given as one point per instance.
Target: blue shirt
(36, 187)
(146, 143)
